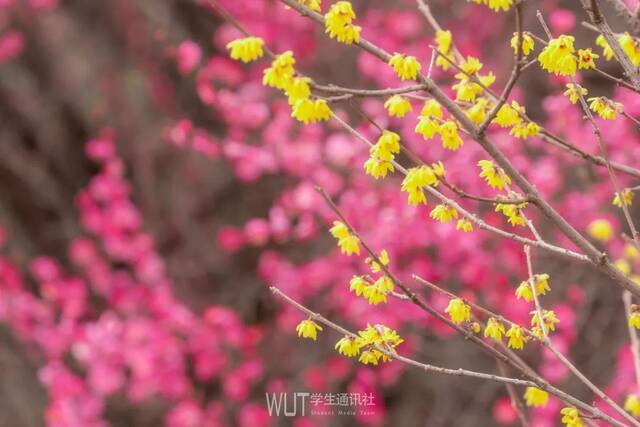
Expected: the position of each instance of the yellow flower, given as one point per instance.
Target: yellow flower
(470, 66)
(516, 336)
(634, 320)
(417, 178)
(536, 398)
(444, 213)
(398, 106)
(527, 44)
(378, 168)
(297, 89)
(438, 170)
(478, 111)
(338, 23)
(466, 90)
(627, 197)
(600, 229)
(443, 45)
(574, 91)
(585, 59)
(464, 225)
(549, 317)
(513, 213)
(348, 346)
(606, 108)
(281, 71)
(630, 251)
(449, 135)
(308, 329)
(509, 115)
(247, 49)
(387, 145)
(458, 311)
(496, 5)
(630, 46)
(524, 130)
(571, 417)
(348, 243)
(358, 284)
(368, 357)
(495, 176)
(427, 127)
(308, 111)
(431, 109)
(558, 56)
(406, 67)
(377, 292)
(311, 4)
(606, 49)
(632, 405)
(541, 284)
(383, 258)
(494, 329)
(339, 230)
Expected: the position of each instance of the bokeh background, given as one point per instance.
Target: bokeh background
(151, 189)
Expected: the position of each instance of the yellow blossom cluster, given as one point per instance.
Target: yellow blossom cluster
(494, 329)
(517, 337)
(398, 106)
(496, 5)
(444, 213)
(494, 175)
(574, 91)
(338, 23)
(513, 115)
(632, 405)
(430, 123)
(458, 311)
(558, 57)
(541, 285)
(527, 43)
(415, 180)
(406, 67)
(375, 292)
(311, 4)
(382, 154)
(308, 329)
(467, 88)
(465, 225)
(347, 241)
(369, 343)
(571, 417)
(605, 107)
(535, 397)
(629, 45)
(444, 42)
(627, 197)
(513, 212)
(549, 319)
(247, 49)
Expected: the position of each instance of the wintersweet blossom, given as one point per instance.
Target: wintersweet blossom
(444, 42)
(509, 115)
(338, 23)
(444, 213)
(378, 168)
(298, 89)
(574, 91)
(281, 71)
(312, 4)
(541, 285)
(377, 292)
(377, 337)
(527, 44)
(427, 127)
(517, 338)
(308, 329)
(348, 346)
(600, 229)
(571, 417)
(513, 213)
(627, 197)
(558, 56)
(494, 329)
(535, 397)
(383, 257)
(549, 319)
(449, 134)
(310, 111)
(398, 106)
(634, 319)
(348, 242)
(415, 180)
(406, 67)
(431, 109)
(496, 5)
(585, 59)
(464, 225)
(494, 175)
(458, 311)
(632, 405)
(247, 49)
(604, 107)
